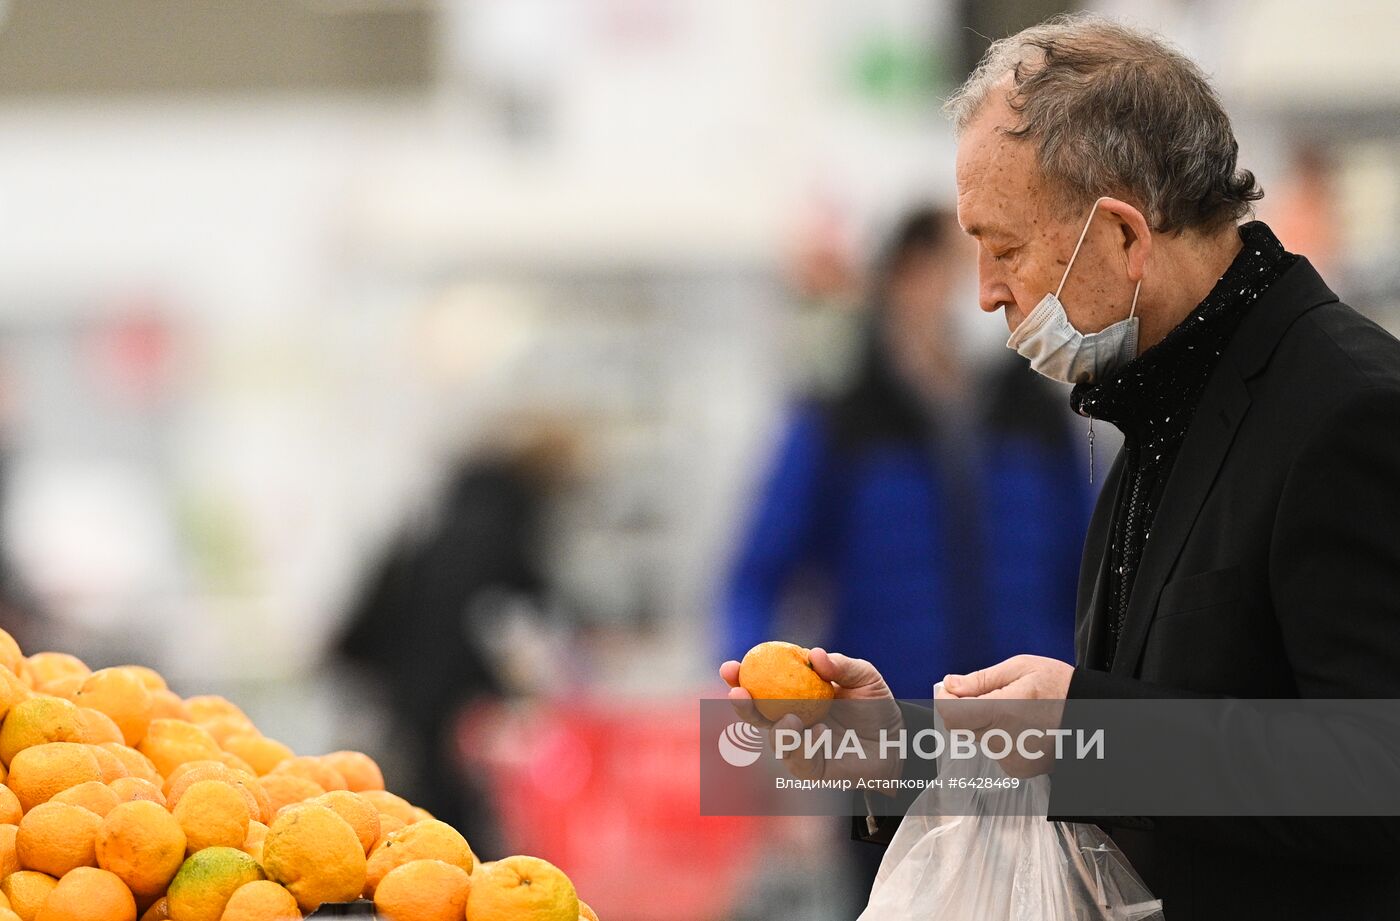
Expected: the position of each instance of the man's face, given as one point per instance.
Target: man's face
(1024, 241)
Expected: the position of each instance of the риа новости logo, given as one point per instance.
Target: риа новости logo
(740, 744)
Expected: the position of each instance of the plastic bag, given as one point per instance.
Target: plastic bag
(978, 855)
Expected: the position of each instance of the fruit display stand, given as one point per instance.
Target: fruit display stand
(611, 789)
(121, 800)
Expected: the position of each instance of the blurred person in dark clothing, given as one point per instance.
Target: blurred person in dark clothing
(930, 514)
(424, 621)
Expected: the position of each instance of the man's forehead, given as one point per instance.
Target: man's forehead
(996, 175)
(989, 201)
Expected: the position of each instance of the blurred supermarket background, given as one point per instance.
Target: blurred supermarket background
(409, 371)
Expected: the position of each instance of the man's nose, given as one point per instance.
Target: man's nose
(992, 291)
(991, 295)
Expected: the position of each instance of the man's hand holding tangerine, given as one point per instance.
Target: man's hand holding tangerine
(862, 704)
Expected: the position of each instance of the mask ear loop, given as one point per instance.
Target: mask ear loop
(1075, 255)
(1064, 278)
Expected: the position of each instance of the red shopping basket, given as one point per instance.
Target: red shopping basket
(609, 791)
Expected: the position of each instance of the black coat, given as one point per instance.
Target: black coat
(1272, 571)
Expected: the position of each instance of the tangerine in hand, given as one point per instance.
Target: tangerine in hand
(781, 680)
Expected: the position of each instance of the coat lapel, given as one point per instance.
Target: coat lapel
(1089, 635)
(1222, 409)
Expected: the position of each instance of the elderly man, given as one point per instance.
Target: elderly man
(1245, 543)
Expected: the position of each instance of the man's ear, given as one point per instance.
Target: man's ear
(1135, 236)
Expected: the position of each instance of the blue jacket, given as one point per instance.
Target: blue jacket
(922, 553)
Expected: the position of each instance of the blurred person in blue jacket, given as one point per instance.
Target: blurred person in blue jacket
(930, 516)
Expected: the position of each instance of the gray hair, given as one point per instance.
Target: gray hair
(1116, 111)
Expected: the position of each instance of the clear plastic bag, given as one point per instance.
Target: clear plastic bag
(976, 855)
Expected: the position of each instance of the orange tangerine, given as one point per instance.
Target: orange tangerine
(40, 771)
(112, 767)
(97, 727)
(167, 705)
(585, 913)
(27, 891)
(207, 706)
(360, 771)
(225, 726)
(316, 855)
(10, 656)
(206, 882)
(36, 720)
(430, 840)
(9, 857)
(10, 810)
(288, 789)
(388, 824)
(253, 844)
(137, 764)
(261, 754)
(94, 796)
(205, 769)
(131, 789)
(143, 845)
(423, 890)
(357, 813)
(522, 889)
(148, 676)
(261, 808)
(259, 805)
(229, 759)
(170, 743)
(781, 680)
(262, 900)
(192, 772)
(44, 667)
(86, 894)
(12, 691)
(389, 804)
(213, 814)
(66, 686)
(121, 695)
(54, 838)
(314, 770)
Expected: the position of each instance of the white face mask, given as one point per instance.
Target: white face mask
(1062, 353)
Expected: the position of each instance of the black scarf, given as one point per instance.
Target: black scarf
(1153, 399)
